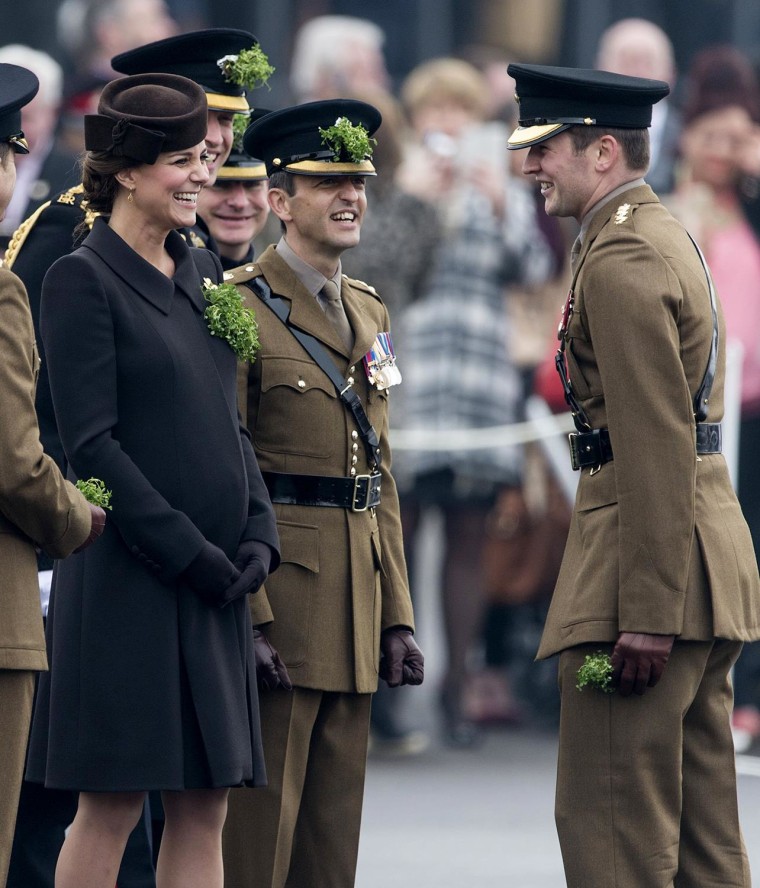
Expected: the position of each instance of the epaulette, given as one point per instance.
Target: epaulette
(242, 273)
(71, 197)
(362, 285)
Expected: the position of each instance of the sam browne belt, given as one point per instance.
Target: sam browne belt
(357, 494)
(594, 449)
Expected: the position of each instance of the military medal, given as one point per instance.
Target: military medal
(380, 363)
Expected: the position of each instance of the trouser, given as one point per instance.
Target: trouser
(302, 829)
(646, 785)
(16, 696)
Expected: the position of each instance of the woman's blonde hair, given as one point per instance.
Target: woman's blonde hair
(445, 80)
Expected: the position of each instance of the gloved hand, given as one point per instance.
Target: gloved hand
(210, 574)
(402, 661)
(271, 672)
(97, 526)
(638, 661)
(252, 560)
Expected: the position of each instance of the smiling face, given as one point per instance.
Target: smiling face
(568, 180)
(165, 193)
(323, 218)
(235, 212)
(219, 137)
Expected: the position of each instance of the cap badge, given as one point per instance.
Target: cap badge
(622, 213)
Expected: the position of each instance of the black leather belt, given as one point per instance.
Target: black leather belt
(593, 449)
(357, 494)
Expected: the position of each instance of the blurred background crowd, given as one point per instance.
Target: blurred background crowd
(458, 245)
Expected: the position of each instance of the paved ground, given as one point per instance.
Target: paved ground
(479, 818)
(483, 818)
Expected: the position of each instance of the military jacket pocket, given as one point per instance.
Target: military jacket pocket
(299, 402)
(290, 590)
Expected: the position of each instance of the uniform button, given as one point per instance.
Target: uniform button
(353, 369)
(354, 460)
(352, 472)
(350, 380)
(354, 434)
(301, 384)
(354, 446)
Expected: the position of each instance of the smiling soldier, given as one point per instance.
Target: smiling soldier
(316, 399)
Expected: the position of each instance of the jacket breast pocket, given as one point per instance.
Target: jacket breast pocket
(297, 406)
(291, 588)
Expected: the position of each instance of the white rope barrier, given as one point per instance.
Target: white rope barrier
(537, 429)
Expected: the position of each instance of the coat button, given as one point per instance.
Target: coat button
(354, 460)
(352, 472)
(354, 434)
(301, 384)
(354, 447)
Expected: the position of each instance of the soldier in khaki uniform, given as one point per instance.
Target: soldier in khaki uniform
(659, 569)
(340, 604)
(38, 508)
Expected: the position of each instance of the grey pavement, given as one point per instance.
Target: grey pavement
(483, 817)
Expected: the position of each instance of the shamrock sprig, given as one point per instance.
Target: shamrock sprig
(95, 492)
(249, 68)
(229, 319)
(596, 672)
(239, 126)
(349, 139)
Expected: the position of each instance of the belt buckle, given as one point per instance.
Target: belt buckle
(356, 505)
(572, 439)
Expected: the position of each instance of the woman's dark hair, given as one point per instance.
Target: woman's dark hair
(99, 183)
(721, 77)
(633, 142)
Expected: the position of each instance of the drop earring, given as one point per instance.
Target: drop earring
(130, 198)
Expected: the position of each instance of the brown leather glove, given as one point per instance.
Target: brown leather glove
(402, 661)
(271, 672)
(638, 661)
(97, 526)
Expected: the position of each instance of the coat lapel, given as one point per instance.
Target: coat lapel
(146, 281)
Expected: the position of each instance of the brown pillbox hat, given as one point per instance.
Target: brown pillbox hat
(141, 116)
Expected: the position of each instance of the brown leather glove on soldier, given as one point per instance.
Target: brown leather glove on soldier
(97, 526)
(402, 661)
(638, 661)
(271, 672)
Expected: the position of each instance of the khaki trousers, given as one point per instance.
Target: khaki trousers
(646, 786)
(16, 697)
(302, 830)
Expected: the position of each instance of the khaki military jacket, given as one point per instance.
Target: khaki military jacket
(342, 578)
(657, 541)
(37, 506)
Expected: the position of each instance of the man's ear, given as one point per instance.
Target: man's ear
(279, 203)
(606, 153)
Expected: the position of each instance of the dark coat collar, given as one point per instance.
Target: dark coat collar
(146, 280)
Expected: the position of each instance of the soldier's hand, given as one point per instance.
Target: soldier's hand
(271, 672)
(638, 661)
(97, 526)
(402, 661)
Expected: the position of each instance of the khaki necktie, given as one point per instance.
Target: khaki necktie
(333, 307)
